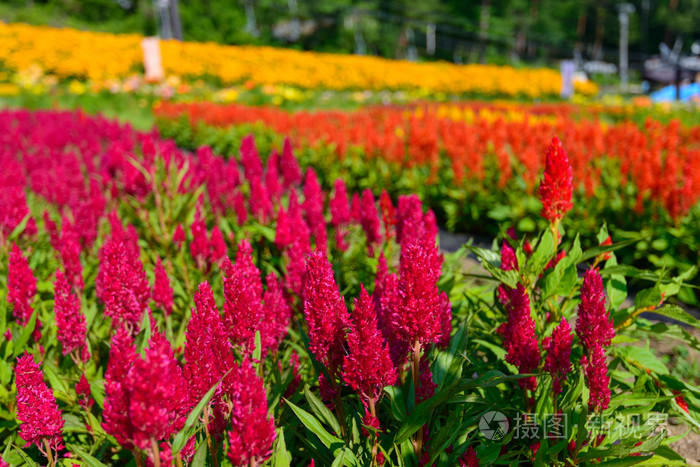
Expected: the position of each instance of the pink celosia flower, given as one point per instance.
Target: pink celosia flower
(520, 340)
(369, 218)
(21, 286)
(597, 379)
(339, 205)
(291, 173)
(556, 188)
(593, 325)
(386, 297)
(274, 327)
(243, 309)
(179, 235)
(199, 247)
(272, 177)
(70, 321)
(445, 322)
(368, 367)
(117, 395)
(509, 262)
(313, 209)
(325, 312)
(69, 249)
(3, 463)
(37, 408)
(13, 200)
(426, 385)
(418, 316)
(250, 159)
(388, 214)
(239, 207)
(217, 245)
(82, 390)
(409, 218)
(369, 421)
(259, 201)
(557, 362)
(162, 291)
(469, 458)
(356, 209)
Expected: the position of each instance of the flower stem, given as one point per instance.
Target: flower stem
(156, 452)
(214, 457)
(49, 453)
(137, 458)
(373, 412)
(415, 375)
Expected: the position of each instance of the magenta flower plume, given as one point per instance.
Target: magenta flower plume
(339, 205)
(557, 362)
(593, 325)
(278, 314)
(199, 247)
(409, 219)
(37, 408)
(387, 299)
(313, 209)
(556, 188)
(445, 322)
(82, 390)
(70, 321)
(69, 250)
(388, 214)
(597, 379)
(469, 458)
(426, 385)
(250, 159)
(418, 315)
(117, 396)
(291, 173)
(21, 286)
(368, 367)
(520, 340)
(509, 262)
(217, 245)
(243, 309)
(162, 291)
(179, 235)
(252, 428)
(260, 201)
(325, 312)
(356, 209)
(272, 176)
(369, 218)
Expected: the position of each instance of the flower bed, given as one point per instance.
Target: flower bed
(169, 308)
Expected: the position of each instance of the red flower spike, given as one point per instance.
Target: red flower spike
(557, 362)
(469, 458)
(369, 218)
(82, 389)
(162, 291)
(70, 321)
(388, 215)
(217, 245)
(117, 398)
(339, 205)
(593, 325)
(21, 286)
(291, 173)
(37, 409)
(368, 367)
(556, 188)
(597, 379)
(520, 340)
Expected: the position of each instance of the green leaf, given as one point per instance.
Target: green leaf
(491, 261)
(257, 352)
(321, 411)
(28, 460)
(316, 428)
(542, 255)
(25, 335)
(280, 457)
(184, 434)
(616, 287)
(421, 413)
(643, 357)
(600, 249)
(648, 298)
(679, 314)
(89, 460)
(622, 462)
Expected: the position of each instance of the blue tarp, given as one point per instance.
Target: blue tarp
(688, 92)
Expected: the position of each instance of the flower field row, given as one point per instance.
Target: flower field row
(477, 165)
(69, 53)
(161, 307)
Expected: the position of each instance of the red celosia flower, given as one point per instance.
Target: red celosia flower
(313, 209)
(593, 326)
(418, 317)
(272, 177)
(608, 255)
(356, 208)
(82, 390)
(426, 385)
(239, 207)
(520, 340)
(680, 400)
(278, 314)
(339, 205)
(369, 218)
(21, 286)
(325, 312)
(37, 408)
(162, 291)
(260, 201)
(367, 368)
(179, 235)
(409, 218)
(328, 391)
(252, 428)
(13, 200)
(199, 247)
(369, 421)
(3, 463)
(70, 321)
(557, 362)
(291, 173)
(469, 458)
(598, 380)
(69, 249)
(445, 322)
(509, 262)
(388, 214)
(556, 188)
(250, 159)
(117, 397)
(243, 309)
(217, 245)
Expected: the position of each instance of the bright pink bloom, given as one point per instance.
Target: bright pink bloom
(325, 312)
(409, 218)
(21, 286)
(426, 385)
(386, 296)
(259, 201)
(70, 321)
(469, 458)
(339, 205)
(117, 395)
(239, 207)
(368, 367)
(356, 209)
(272, 177)
(445, 322)
(593, 325)
(69, 249)
(598, 380)
(243, 309)
(199, 247)
(162, 291)
(369, 218)
(556, 188)
(388, 214)
(13, 200)
(313, 209)
(37, 408)
(250, 159)
(217, 245)
(82, 390)
(252, 428)
(509, 262)
(520, 340)
(557, 362)
(370, 422)
(179, 235)
(278, 314)
(291, 173)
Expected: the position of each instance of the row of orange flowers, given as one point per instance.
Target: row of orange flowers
(69, 53)
(661, 160)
